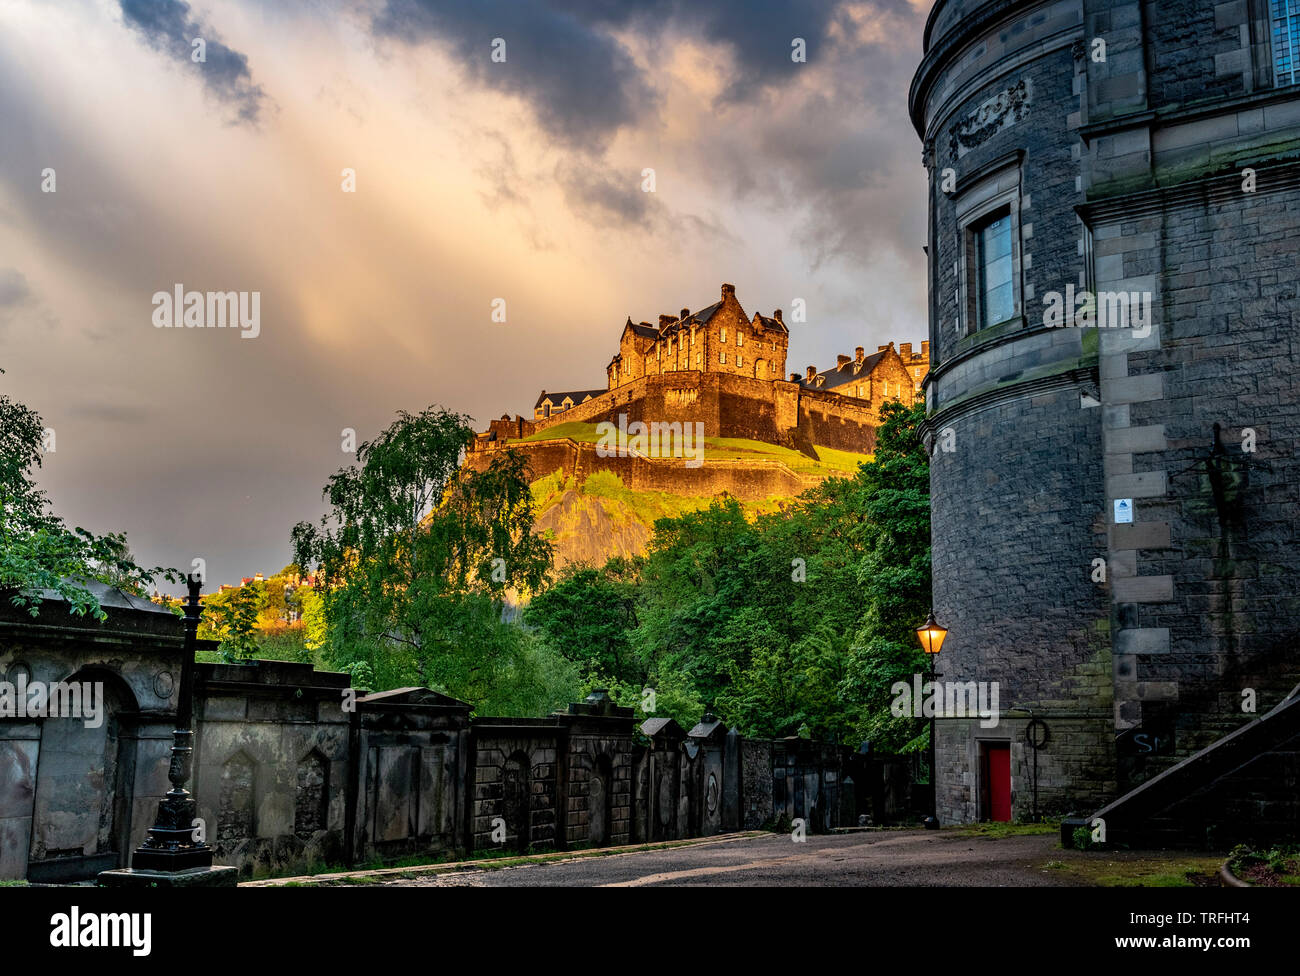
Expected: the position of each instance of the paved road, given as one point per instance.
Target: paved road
(914, 857)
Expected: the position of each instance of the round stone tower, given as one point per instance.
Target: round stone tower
(1113, 185)
(1015, 428)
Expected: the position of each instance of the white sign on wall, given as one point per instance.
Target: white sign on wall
(1123, 511)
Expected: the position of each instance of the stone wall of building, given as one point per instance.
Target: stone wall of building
(516, 783)
(75, 794)
(271, 739)
(1163, 167)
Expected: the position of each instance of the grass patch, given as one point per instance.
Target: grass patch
(575, 430)
(829, 460)
(1138, 870)
(997, 831)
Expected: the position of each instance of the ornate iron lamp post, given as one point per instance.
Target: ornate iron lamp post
(176, 852)
(931, 636)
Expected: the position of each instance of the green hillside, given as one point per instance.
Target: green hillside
(828, 461)
(601, 517)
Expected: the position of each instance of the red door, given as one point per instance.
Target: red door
(998, 767)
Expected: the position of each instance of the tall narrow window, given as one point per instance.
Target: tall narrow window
(1286, 41)
(995, 299)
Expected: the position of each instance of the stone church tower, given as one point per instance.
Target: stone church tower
(1114, 400)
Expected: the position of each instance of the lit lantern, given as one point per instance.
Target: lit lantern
(931, 635)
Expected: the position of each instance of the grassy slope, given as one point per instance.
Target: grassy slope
(828, 462)
(567, 509)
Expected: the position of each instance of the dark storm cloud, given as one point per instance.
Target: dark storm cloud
(14, 295)
(13, 288)
(580, 81)
(563, 58)
(603, 197)
(167, 26)
(819, 150)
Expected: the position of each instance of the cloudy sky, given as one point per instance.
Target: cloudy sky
(476, 179)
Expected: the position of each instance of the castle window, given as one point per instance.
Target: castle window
(740, 360)
(699, 359)
(722, 358)
(1286, 41)
(724, 335)
(994, 288)
(740, 338)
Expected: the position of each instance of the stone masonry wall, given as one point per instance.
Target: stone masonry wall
(1204, 578)
(516, 779)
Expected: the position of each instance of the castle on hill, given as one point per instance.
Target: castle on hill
(724, 368)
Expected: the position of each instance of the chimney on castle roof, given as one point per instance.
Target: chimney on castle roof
(857, 354)
(905, 350)
(795, 377)
(925, 349)
(777, 315)
(881, 348)
(842, 361)
(728, 290)
(686, 314)
(812, 371)
(664, 320)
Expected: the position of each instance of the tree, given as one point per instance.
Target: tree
(587, 616)
(797, 622)
(416, 555)
(894, 575)
(234, 621)
(38, 552)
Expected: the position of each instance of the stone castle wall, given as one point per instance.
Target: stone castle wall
(728, 406)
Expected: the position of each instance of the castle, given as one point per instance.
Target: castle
(723, 368)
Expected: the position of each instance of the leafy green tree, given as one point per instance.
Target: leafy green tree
(894, 576)
(38, 552)
(416, 556)
(587, 617)
(234, 621)
(793, 623)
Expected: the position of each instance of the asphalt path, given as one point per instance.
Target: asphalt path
(882, 859)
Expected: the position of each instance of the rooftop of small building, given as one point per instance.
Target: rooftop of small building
(577, 396)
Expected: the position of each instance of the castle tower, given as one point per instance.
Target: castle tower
(1094, 551)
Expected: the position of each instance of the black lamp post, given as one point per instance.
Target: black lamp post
(171, 855)
(931, 636)
(170, 845)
